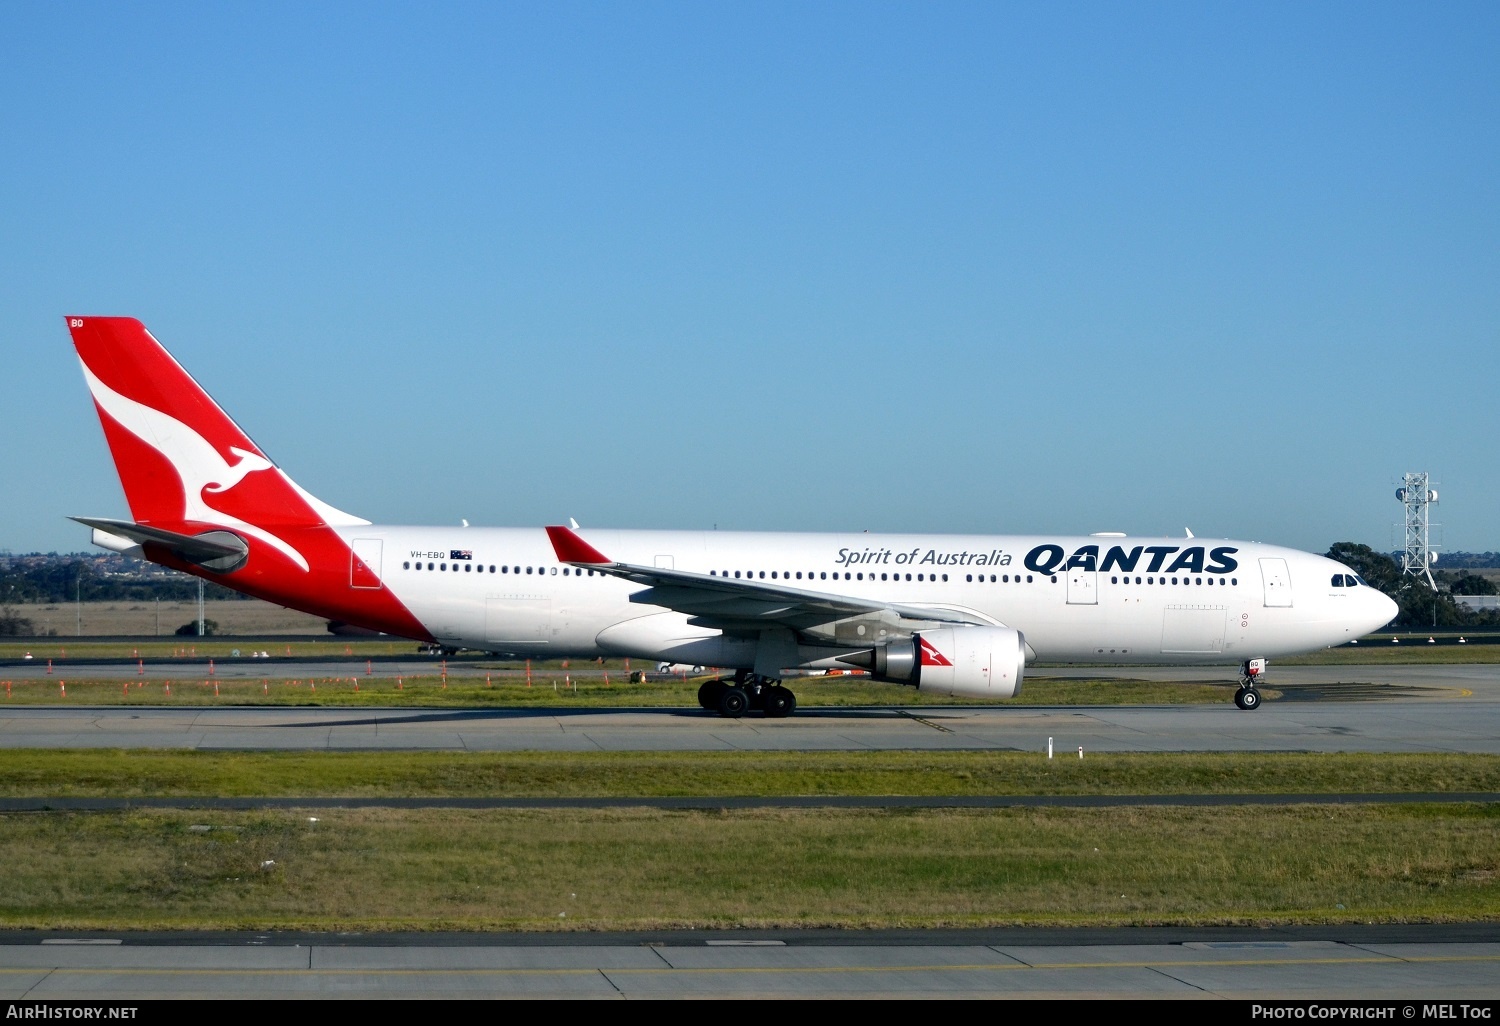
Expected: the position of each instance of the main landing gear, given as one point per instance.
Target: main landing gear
(745, 691)
(1248, 696)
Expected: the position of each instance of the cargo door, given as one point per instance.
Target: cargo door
(1198, 629)
(1278, 581)
(519, 619)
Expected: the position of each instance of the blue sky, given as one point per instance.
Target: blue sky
(939, 267)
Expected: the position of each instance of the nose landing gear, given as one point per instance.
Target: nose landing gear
(735, 697)
(1248, 696)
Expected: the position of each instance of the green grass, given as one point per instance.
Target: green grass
(639, 868)
(1411, 652)
(142, 773)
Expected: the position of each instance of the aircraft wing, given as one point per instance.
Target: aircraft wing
(739, 604)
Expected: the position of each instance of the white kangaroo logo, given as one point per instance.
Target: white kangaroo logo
(198, 464)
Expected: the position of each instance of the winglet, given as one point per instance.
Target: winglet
(572, 549)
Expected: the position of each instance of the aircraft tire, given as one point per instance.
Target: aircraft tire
(778, 702)
(1247, 699)
(733, 702)
(710, 692)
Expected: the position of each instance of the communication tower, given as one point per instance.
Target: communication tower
(1418, 498)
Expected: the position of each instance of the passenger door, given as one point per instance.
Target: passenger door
(1278, 582)
(1083, 587)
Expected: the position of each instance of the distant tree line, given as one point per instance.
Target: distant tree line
(64, 579)
(1421, 607)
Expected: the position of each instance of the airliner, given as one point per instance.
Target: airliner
(958, 615)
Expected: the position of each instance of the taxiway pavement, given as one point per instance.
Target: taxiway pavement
(1393, 963)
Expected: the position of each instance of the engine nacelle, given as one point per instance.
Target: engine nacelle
(971, 662)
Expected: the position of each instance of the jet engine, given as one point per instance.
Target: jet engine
(971, 662)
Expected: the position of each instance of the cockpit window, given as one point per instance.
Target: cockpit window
(1338, 581)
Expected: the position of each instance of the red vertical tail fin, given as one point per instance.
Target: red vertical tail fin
(184, 464)
(205, 499)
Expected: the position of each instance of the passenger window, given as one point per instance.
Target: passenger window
(528, 569)
(799, 575)
(1028, 578)
(406, 565)
(1114, 580)
(468, 568)
(945, 577)
(969, 578)
(1235, 581)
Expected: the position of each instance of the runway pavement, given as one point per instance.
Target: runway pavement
(1327, 709)
(1393, 963)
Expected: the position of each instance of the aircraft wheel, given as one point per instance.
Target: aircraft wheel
(710, 692)
(1248, 698)
(733, 702)
(778, 702)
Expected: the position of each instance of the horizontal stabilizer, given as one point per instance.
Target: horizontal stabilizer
(217, 550)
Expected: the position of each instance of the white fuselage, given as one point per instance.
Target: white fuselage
(1103, 599)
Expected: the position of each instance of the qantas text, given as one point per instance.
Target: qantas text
(1047, 559)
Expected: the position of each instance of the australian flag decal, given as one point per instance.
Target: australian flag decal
(460, 554)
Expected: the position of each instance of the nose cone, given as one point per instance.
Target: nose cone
(1382, 609)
